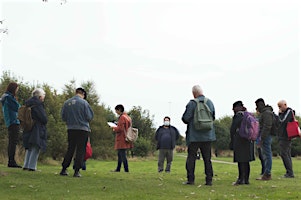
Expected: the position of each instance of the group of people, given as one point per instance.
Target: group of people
(77, 113)
(244, 149)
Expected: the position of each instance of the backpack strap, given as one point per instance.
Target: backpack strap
(205, 104)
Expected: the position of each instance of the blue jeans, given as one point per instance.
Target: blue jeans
(31, 157)
(266, 150)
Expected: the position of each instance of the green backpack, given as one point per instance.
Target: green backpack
(203, 119)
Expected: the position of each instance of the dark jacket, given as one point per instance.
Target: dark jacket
(193, 135)
(265, 121)
(38, 135)
(174, 133)
(285, 117)
(243, 149)
(10, 108)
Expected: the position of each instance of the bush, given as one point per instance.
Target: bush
(142, 147)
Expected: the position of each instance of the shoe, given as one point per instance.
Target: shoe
(265, 177)
(77, 174)
(161, 170)
(239, 182)
(288, 176)
(115, 170)
(209, 183)
(24, 168)
(32, 170)
(167, 171)
(188, 183)
(14, 165)
(64, 172)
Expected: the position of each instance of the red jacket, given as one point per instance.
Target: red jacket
(123, 124)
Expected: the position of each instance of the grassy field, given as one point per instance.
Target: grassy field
(143, 182)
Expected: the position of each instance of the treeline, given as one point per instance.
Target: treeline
(102, 137)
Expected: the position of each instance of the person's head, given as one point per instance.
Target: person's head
(197, 91)
(12, 88)
(238, 106)
(119, 109)
(40, 93)
(166, 121)
(259, 104)
(81, 92)
(282, 106)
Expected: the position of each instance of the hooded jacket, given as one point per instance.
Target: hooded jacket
(10, 108)
(38, 135)
(265, 121)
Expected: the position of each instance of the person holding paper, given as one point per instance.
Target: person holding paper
(124, 122)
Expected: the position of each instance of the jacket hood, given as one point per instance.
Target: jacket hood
(267, 108)
(3, 97)
(33, 101)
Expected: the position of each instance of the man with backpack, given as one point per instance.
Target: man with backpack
(198, 138)
(265, 126)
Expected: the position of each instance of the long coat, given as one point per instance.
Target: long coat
(38, 135)
(123, 124)
(243, 148)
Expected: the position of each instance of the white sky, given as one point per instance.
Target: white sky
(151, 53)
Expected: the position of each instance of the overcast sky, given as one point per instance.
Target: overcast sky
(151, 53)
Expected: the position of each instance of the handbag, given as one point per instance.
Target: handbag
(131, 134)
(292, 128)
(88, 150)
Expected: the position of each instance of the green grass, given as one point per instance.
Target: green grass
(143, 182)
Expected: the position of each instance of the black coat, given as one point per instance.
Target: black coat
(38, 135)
(243, 148)
(174, 133)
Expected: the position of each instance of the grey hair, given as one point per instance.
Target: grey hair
(197, 90)
(39, 92)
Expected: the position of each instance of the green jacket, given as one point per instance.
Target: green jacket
(265, 121)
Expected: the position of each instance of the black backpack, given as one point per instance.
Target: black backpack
(275, 124)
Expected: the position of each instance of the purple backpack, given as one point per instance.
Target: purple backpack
(249, 128)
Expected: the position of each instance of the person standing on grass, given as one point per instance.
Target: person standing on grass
(166, 137)
(265, 127)
(10, 107)
(35, 139)
(121, 145)
(198, 139)
(286, 114)
(77, 114)
(243, 148)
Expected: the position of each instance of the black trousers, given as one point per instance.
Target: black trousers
(77, 141)
(205, 148)
(13, 136)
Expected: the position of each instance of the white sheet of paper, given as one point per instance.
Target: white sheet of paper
(111, 124)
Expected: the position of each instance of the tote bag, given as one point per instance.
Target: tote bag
(88, 150)
(292, 128)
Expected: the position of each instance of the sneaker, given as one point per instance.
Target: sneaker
(64, 172)
(288, 176)
(188, 183)
(208, 183)
(77, 174)
(238, 182)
